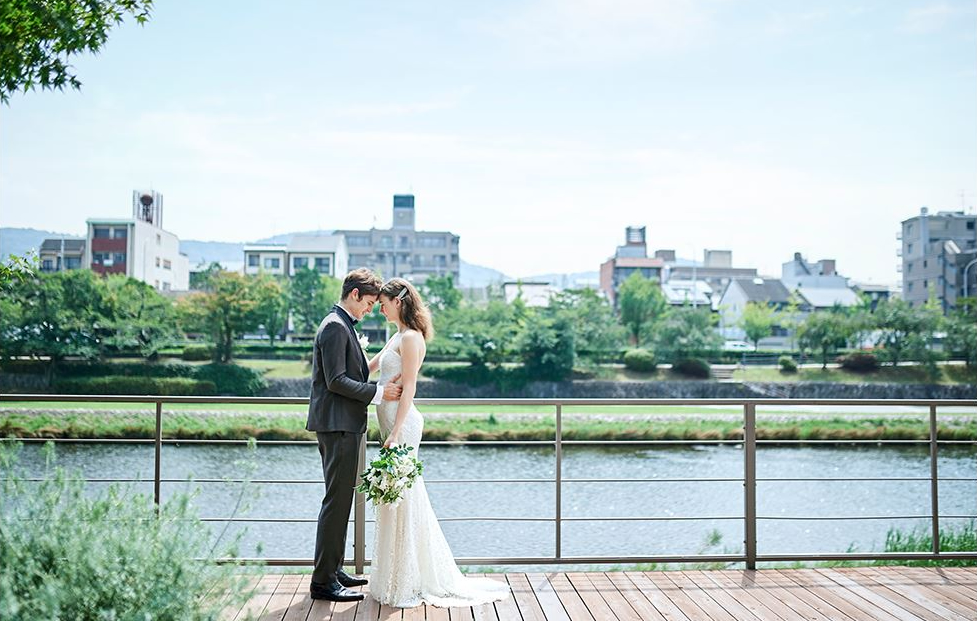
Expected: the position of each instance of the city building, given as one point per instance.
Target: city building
(402, 250)
(938, 253)
(740, 292)
(62, 253)
(324, 253)
(716, 269)
(628, 259)
(798, 273)
(138, 247)
(875, 293)
(696, 293)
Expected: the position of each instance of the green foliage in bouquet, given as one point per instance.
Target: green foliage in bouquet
(390, 475)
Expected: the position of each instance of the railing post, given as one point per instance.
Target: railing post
(359, 516)
(749, 482)
(934, 482)
(158, 438)
(559, 480)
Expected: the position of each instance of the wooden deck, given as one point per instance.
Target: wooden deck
(851, 594)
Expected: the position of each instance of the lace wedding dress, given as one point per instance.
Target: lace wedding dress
(412, 563)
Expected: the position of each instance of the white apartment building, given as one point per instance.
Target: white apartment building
(139, 247)
(325, 254)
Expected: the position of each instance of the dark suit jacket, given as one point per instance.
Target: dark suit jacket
(341, 389)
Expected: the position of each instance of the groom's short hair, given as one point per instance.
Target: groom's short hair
(364, 280)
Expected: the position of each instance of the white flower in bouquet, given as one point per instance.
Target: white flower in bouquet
(390, 475)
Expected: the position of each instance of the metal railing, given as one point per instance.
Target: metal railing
(749, 443)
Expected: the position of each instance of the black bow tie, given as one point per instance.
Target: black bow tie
(355, 321)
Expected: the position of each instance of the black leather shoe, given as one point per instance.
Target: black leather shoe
(349, 581)
(334, 592)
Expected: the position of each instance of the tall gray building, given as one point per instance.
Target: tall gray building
(938, 252)
(402, 250)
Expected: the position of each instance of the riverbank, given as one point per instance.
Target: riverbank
(483, 423)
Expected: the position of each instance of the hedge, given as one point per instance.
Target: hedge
(639, 360)
(692, 367)
(127, 385)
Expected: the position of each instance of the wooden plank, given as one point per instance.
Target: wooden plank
(769, 591)
(417, 613)
(369, 608)
(750, 595)
(846, 601)
(591, 598)
(389, 613)
(346, 611)
(729, 603)
(277, 606)
(507, 608)
(813, 599)
(321, 610)
(231, 611)
(618, 604)
(549, 601)
(461, 613)
(433, 613)
(525, 598)
(572, 604)
(947, 597)
(907, 598)
(298, 608)
(879, 599)
(641, 604)
(708, 605)
(658, 599)
(962, 575)
(677, 596)
(931, 577)
(482, 612)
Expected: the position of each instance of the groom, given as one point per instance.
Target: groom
(341, 392)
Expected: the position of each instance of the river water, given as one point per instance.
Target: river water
(775, 499)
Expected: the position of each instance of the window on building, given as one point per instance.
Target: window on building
(404, 241)
(323, 265)
(300, 263)
(72, 263)
(120, 232)
(909, 286)
(167, 265)
(254, 260)
(454, 258)
(119, 257)
(159, 239)
(970, 225)
(358, 240)
(166, 286)
(441, 260)
(926, 284)
(156, 284)
(157, 261)
(47, 265)
(272, 263)
(386, 241)
(101, 232)
(909, 267)
(381, 257)
(431, 242)
(925, 264)
(404, 258)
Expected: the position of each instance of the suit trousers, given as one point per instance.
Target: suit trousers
(340, 452)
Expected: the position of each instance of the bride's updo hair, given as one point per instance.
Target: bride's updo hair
(413, 311)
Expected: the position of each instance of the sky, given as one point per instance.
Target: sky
(535, 130)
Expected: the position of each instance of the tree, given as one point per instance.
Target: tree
(200, 280)
(38, 39)
(641, 304)
(135, 316)
(823, 332)
(271, 305)
(17, 269)
(596, 333)
(311, 296)
(440, 293)
(904, 331)
(546, 347)
(687, 332)
(961, 330)
(757, 321)
(225, 312)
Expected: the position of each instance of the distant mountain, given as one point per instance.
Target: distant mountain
(573, 280)
(21, 241)
(475, 276)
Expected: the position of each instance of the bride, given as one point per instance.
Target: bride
(412, 563)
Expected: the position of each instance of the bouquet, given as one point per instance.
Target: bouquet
(389, 475)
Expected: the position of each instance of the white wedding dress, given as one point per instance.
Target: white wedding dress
(412, 563)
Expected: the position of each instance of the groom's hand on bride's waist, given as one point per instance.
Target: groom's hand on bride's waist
(392, 389)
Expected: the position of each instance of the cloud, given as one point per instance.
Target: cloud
(930, 18)
(597, 30)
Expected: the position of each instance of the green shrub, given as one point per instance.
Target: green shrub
(198, 352)
(859, 362)
(66, 553)
(787, 364)
(692, 367)
(547, 348)
(231, 379)
(506, 378)
(639, 360)
(126, 385)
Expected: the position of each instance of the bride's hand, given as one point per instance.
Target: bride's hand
(392, 438)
